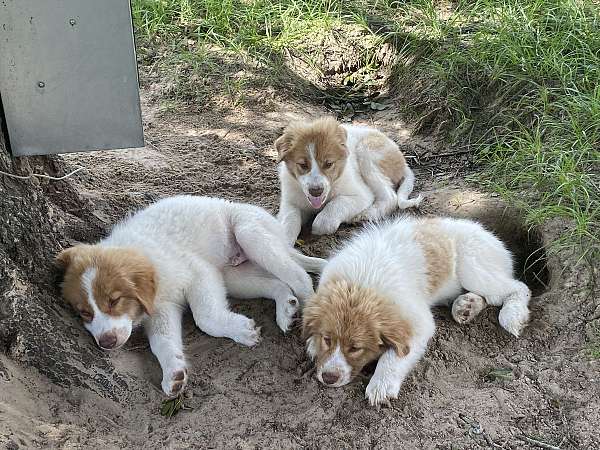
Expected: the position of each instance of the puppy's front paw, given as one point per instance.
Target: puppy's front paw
(324, 225)
(285, 310)
(381, 390)
(174, 380)
(245, 331)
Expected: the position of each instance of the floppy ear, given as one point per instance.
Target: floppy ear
(144, 280)
(283, 146)
(395, 333)
(66, 257)
(310, 320)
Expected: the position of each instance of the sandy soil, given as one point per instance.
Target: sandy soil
(266, 397)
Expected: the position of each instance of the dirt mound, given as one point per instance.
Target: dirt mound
(476, 386)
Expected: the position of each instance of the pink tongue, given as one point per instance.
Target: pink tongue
(316, 202)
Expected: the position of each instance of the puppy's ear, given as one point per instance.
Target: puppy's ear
(65, 258)
(310, 320)
(395, 333)
(283, 145)
(145, 283)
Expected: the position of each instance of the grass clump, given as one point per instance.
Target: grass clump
(519, 81)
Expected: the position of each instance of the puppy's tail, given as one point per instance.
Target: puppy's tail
(405, 189)
(309, 263)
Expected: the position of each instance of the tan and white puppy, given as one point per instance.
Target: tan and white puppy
(179, 252)
(374, 298)
(339, 174)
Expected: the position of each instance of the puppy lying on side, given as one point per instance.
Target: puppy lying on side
(184, 251)
(341, 174)
(374, 297)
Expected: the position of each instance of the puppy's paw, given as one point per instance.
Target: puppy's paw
(245, 331)
(285, 310)
(381, 390)
(324, 225)
(467, 306)
(513, 317)
(411, 203)
(174, 380)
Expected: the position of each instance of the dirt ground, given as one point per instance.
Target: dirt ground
(477, 387)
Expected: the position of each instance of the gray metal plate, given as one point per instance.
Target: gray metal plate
(68, 76)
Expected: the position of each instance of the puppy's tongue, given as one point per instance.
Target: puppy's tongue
(315, 202)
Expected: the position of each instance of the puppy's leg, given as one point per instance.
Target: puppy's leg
(208, 301)
(341, 209)
(405, 189)
(485, 268)
(164, 333)
(392, 369)
(268, 250)
(467, 306)
(512, 295)
(250, 281)
(291, 219)
(386, 200)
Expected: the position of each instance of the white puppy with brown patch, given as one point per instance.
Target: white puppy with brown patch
(374, 298)
(185, 251)
(339, 174)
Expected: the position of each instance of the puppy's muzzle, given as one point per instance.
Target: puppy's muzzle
(330, 378)
(108, 341)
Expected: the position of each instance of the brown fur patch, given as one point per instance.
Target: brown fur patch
(392, 162)
(329, 139)
(362, 322)
(439, 253)
(125, 281)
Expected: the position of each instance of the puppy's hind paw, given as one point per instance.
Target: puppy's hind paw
(513, 317)
(466, 307)
(412, 203)
(286, 309)
(246, 332)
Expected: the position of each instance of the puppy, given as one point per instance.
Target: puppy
(340, 174)
(184, 251)
(374, 298)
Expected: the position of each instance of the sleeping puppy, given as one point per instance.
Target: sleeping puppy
(374, 298)
(339, 174)
(184, 251)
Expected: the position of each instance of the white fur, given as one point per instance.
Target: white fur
(387, 259)
(103, 324)
(192, 241)
(336, 364)
(362, 192)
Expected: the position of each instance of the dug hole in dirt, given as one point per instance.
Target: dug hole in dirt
(477, 387)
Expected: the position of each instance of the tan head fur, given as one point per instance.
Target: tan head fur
(327, 138)
(121, 283)
(356, 322)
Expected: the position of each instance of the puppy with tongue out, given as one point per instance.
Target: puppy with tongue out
(337, 173)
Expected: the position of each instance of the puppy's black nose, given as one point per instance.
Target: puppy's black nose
(315, 191)
(107, 341)
(329, 377)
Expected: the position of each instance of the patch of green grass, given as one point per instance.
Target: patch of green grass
(517, 80)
